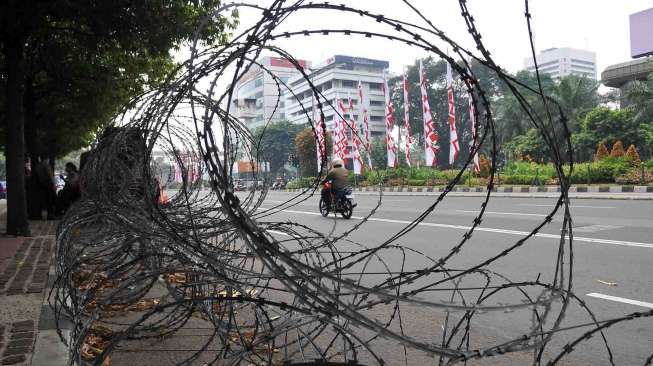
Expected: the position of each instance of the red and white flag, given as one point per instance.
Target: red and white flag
(389, 124)
(472, 120)
(454, 148)
(178, 175)
(431, 137)
(407, 120)
(341, 134)
(366, 124)
(320, 130)
(355, 141)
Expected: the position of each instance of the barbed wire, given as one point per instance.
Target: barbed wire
(132, 272)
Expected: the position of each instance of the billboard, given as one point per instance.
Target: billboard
(342, 59)
(641, 29)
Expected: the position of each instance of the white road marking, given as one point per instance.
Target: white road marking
(277, 232)
(490, 230)
(572, 206)
(621, 299)
(503, 213)
(595, 228)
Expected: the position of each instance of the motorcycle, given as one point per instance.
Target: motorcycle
(330, 202)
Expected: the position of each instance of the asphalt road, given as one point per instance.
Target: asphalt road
(612, 257)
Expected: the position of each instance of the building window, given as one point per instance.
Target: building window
(376, 86)
(348, 84)
(377, 103)
(258, 95)
(324, 86)
(376, 118)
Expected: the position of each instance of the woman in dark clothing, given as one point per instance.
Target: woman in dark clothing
(71, 190)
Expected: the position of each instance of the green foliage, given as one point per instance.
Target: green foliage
(602, 171)
(378, 153)
(641, 94)
(543, 171)
(303, 182)
(530, 144)
(521, 179)
(275, 142)
(306, 149)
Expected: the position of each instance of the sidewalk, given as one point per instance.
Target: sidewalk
(576, 192)
(24, 268)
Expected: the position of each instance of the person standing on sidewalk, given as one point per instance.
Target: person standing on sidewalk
(46, 186)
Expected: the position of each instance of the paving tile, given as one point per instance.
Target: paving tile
(12, 360)
(22, 335)
(15, 351)
(20, 343)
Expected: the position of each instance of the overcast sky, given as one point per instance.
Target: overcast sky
(598, 25)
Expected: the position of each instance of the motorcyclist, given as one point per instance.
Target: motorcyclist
(338, 177)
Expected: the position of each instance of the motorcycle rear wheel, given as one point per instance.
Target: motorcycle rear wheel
(347, 209)
(324, 208)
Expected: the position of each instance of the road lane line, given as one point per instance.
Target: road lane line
(621, 299)
(487, 229)
(277, 232)
(572, 206)
(503, 213)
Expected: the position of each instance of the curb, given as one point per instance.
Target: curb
(577, 192)
(49, 348)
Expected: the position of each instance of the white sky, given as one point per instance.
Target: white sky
(598, 25)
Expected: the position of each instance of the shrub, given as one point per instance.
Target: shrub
(649, 164)
(634, 176)
(485, 165)
(395, 182)
(601, 151)
(416, 182)
(518, 179)
(617, 149)
(632, 156)
(602, 171)
(303, 182)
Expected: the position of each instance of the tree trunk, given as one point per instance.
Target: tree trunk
(17, 223)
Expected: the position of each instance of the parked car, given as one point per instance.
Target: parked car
(3, 189)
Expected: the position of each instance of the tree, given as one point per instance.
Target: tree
(641, 94)
(379, 153)
(601, 151)
(605, 124)
(275, 142)
(122, 31)
(577, 95)
(306, 148)
(530, 144)
(617, 149)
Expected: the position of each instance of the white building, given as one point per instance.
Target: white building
(256, 94)
(559, 62)
(339, 75)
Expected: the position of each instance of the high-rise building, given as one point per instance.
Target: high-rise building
(256, 94)
(339, 75)
(560, 62)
